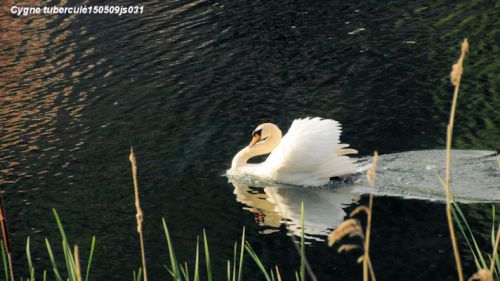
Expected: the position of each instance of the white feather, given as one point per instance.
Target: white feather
(309, 154)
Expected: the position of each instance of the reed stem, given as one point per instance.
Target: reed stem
(456, 76)
(77, 264)
(367, 266)
(370, 267)
(366, 259)
(139, 214)
(5, 236)
(495, 251)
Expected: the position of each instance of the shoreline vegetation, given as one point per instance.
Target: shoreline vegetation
(488, 267)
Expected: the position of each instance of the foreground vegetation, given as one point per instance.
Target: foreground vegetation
(488, 266)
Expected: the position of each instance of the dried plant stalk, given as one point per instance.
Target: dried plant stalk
(370, 267)
(455, 76)
(371, 174)
(139, 214)
(352, 227)
(5, 236)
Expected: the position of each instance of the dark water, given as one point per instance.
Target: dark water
(187, 81)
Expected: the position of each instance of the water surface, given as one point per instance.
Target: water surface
(187, 81)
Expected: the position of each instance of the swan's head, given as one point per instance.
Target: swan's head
(266, 135)
(264, 139)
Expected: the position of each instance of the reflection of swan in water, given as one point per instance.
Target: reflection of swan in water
(475, 178)
(275, 205)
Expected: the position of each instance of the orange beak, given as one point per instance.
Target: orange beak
(255, 139)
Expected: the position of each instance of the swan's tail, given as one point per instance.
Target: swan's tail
(363, 167)
(311, 153)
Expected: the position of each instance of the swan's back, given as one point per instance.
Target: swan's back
(310, 154)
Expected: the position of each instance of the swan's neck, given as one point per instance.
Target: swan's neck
(246, 153)
(242, 157)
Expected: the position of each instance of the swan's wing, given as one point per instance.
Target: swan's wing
(311, 153)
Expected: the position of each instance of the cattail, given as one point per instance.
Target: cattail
(457, 69)
(360, 209)
(482, 275)
(347, 248)
(465, 46)
(456, 72)
(350, 227)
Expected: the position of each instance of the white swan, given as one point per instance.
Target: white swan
(309, 154)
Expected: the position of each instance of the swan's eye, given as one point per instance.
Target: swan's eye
(257, 132)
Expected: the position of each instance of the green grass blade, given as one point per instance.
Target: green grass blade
(242, 252)
(493, 235)
(464, 221)
(496, 268)
(139, 274)
(302, 245)
(5, 263)
(460, 219)
(68, 256)
(52, 260)
(207, 256)
(257, 261)
(197, 262)
(461, 228)
(235, 253)
(45, 275)
(228, 270)
(59, 224)
(440, 179)
(297, 276)
(173, 260)
(28, 257)
(70, 262)
(169, 271)
(184, 272)
(90, 258)
(187, 271)
(493, 225)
